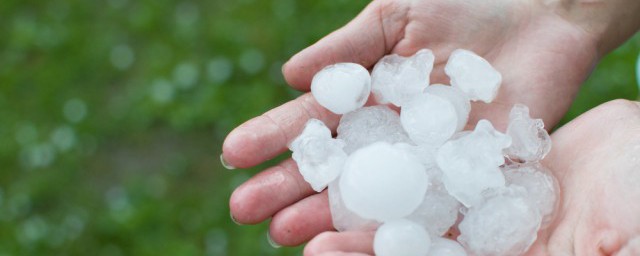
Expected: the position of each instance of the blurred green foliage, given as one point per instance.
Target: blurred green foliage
(112, 115)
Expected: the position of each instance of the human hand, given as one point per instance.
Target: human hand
(543, 59)
(596, 160)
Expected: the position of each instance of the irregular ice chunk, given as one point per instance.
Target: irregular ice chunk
(470, 163)
(343, 219)
(459, 100)
(368, 125)
(429, 119)
(437, 212)
(319, 157)
(531, 142)
(445, 247)
(382, 182)
(473, 75)
(541, 187)
(341, 87)
(401, 237)
(397, 79)
(503, 225)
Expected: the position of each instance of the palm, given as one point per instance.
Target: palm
(526, 43)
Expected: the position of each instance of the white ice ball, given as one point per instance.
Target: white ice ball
(341, 87)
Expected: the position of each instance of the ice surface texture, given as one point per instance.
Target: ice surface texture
(473, 75)
(504, 225)
(382, 182)
(368, 125)
(531, 142)
(541, 187)
(401, 237)
(319, 157)
(341, 87)
(429, 119)
(396, 79)
(344, 219)
(470, 164)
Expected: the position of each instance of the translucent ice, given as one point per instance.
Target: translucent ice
(368, 125)
(458, 98)
(397, 79)
(473, 75)
(426, 154)
(319, 157)
(382, 182)
(437, 212)
(429, 119)
(470, 163)
(341, 87)
(343, 219)
(401, 237)
(531, 142)
(503, 225)
(445, 247)
(541, 187)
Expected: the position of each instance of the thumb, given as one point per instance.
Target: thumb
(364, 40)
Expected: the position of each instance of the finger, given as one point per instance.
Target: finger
(357, 242)
(364, 40)
(268, 192)
(302, 221)
(266, 136)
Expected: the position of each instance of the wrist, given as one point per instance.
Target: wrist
(607, 22)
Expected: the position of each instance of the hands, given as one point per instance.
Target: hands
(542, 56)
(595, 158)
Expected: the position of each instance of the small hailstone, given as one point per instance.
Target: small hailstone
(541, 187)
(470, 163)
(531, 142)
(473, 75)
(397, 79)
(446, 247)
(401, 237)
(429, 119)
(368, 125)
(382, 182)
(437, 212)
(319, 157)
(341, 87)
(343, 219)
(503, 225)
(456, 97)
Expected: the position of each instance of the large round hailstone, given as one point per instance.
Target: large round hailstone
(429, 119)
(383, 182)
(341, 87)
(401, 237)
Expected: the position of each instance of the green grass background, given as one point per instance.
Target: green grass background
(112, 115)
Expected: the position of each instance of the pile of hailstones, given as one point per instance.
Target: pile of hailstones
(417, 176)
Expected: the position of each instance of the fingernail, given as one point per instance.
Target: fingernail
(272, 243)
(234, 219)
(225, 164)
